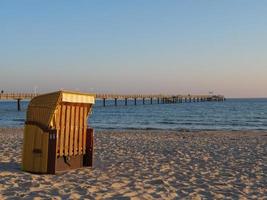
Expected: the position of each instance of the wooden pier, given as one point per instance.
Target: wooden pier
(159, 99)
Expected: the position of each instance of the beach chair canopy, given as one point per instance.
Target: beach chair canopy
(45, 109)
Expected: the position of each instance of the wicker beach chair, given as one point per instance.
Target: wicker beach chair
(56, 135)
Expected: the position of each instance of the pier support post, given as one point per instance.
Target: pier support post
(158, 100)
(104, 102)
(134, 101)
(116, 103)
(151, 100)
(144, 101)
(18, 104)
(126, 101)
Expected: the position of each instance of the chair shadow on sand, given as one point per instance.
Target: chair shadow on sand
(22, 180)
(10, 167)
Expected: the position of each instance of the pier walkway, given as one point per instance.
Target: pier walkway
(160, 99)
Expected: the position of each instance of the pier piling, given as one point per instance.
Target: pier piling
(18, 104)
(116, 103)
(104, 102)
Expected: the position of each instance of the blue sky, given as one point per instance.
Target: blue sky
(120, 46)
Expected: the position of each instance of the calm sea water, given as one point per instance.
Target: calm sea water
(233, 114)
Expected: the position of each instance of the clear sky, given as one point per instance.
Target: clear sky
(135, 46)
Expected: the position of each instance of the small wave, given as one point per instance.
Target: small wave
(167, 122)
(18, 120)
(126, 128)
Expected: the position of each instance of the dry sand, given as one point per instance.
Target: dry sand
(147, 165)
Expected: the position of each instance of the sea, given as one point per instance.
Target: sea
(232, 114)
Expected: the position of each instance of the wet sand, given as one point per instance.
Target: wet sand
(147, 165)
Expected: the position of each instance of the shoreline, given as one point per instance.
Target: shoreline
(147, 164)
(182, 130)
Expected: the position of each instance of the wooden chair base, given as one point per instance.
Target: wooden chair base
(37, 162)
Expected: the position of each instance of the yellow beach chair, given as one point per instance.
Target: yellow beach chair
(56, 135)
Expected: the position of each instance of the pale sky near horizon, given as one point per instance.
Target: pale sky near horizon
(123, 46)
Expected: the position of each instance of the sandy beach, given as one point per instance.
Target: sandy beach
(147, 165)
